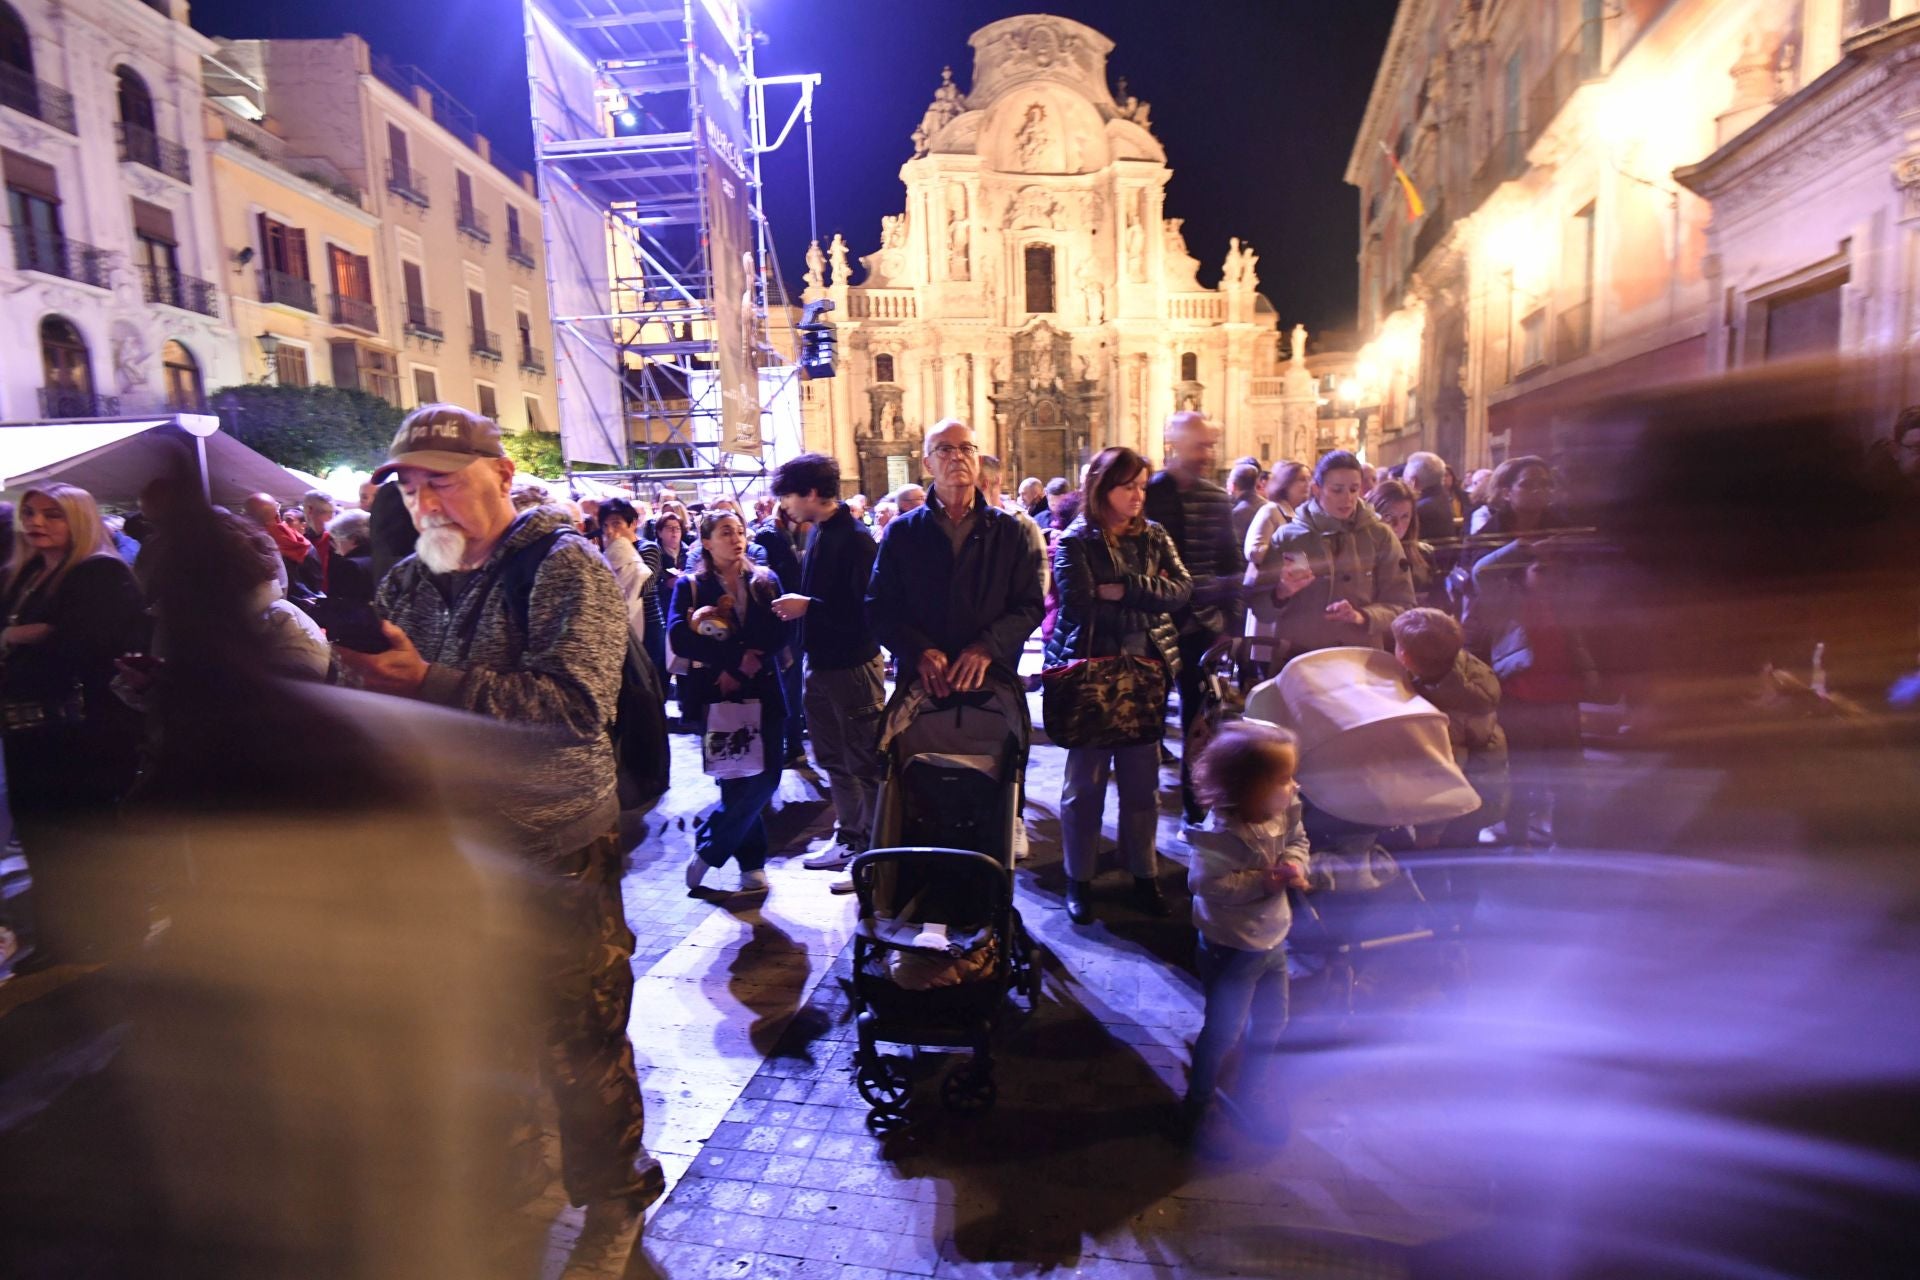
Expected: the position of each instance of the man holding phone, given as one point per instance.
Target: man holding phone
(516, 617)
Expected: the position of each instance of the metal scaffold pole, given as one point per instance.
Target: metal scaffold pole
(649, 125)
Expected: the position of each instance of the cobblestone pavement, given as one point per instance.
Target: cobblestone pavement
(745, 1039)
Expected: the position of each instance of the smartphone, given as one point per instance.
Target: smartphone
(1294, 564)
(352, 625)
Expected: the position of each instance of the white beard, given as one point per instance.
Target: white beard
(441, 547)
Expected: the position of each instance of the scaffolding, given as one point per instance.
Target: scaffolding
(649, 127)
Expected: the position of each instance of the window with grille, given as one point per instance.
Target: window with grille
(1189, 367)
(883, 368)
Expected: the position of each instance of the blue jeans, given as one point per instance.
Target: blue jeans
(1246, 990)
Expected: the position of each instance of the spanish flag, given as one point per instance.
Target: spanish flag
(1416, 207)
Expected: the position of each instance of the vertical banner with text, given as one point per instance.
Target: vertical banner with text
(721, 89)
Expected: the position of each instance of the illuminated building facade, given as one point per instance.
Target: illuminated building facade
(1619, 193)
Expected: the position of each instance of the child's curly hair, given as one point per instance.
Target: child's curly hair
(1242, 755)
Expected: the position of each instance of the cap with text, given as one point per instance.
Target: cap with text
(443, 438)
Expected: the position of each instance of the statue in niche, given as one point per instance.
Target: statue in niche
(1136, 246)
(1092, 291)
(816, 276)
(890, 419)
(837, 255)
(945, 106)
(1033, 137)
(957, 258)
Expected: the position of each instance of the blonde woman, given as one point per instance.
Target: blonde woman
(70, 607)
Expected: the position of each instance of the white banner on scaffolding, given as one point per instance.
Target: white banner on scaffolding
(721, 90)
(593, 419)
(782, 436)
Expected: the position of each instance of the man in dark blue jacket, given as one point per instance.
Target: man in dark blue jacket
(771, 543)
(844, 692)
(956, 587)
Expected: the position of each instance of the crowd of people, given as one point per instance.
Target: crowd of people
(776, 622)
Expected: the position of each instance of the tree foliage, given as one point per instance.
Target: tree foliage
(312, 428)
(535, 453)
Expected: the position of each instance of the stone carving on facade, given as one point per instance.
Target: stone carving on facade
(1237, 271)
(1033, 138)
(940, 113)
(816, 276)
(837, 254)
(1137, 236)
(1032, 207)
(1906, 177)
(1129, 107)
(1092, 292)
(1035, 45)
(893, 230)
(958, 263)
(131, 355)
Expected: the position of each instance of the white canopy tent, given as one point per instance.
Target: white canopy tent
(115, 459)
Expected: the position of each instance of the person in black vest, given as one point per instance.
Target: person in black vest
(1184, 500)
(843, 687)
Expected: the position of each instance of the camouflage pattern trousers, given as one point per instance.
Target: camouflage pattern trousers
(586, 988)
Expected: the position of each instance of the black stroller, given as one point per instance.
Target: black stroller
(939, 948)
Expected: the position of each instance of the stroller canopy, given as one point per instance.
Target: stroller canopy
(1371, 750)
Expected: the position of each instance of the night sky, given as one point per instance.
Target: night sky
(1256, 102)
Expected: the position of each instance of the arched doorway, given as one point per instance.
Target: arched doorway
(185, 394)
(68, 390)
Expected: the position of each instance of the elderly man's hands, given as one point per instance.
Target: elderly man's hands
(933, 673)
(969, 670)
(399, 671)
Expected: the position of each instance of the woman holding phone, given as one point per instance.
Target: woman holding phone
(1337, 575)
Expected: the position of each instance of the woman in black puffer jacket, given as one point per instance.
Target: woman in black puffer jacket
(1120, 580)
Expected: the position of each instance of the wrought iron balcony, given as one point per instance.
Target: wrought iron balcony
(1577, 63)
(532, 359)
(170, 288)
(473, 223)
(38, 99)
(288, 291)
(409, 184)
(424, 322)
(518, 250)
(486, 344)
(355, 313)
(76, 402)
(142, 146)
(55, 255)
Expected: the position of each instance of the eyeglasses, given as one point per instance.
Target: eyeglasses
(956, 450)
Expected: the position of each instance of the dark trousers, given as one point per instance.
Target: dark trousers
(1246, 993)
(737, 827)
(63, 783)
(1193, 647)
(587, 1060)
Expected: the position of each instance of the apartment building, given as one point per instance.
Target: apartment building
(112, 268)
(429, 284)
(1620, 193)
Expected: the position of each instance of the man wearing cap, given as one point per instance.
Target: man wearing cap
(550, 659)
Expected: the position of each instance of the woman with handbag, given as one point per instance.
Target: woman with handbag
(1111, 659)
(70, 607)
(723, 623)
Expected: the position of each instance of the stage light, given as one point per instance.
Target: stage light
(817, 342)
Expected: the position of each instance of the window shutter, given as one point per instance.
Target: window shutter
(31, 175)
(153, 222)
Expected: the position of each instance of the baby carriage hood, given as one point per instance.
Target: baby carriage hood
(1371, 750)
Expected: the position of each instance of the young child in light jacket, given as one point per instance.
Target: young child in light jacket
(1250, 852)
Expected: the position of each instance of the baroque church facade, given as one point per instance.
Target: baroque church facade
(1034, 287)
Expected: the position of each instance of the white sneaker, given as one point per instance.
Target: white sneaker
(833, 858)
(696, 871)
(753, 882)
(843, 886)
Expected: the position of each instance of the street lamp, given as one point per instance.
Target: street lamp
(270, 349)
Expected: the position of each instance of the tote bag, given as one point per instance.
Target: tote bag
(733, 744)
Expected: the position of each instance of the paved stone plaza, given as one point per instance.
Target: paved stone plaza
(745, 1041)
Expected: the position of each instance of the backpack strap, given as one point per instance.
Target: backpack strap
(514, 575)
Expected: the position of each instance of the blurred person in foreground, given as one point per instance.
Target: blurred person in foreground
(69, 607)
(1197, 513)
(307, 1073)
(350, 571)
(461, 635)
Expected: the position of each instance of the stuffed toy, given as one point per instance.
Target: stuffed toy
(714, 621)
